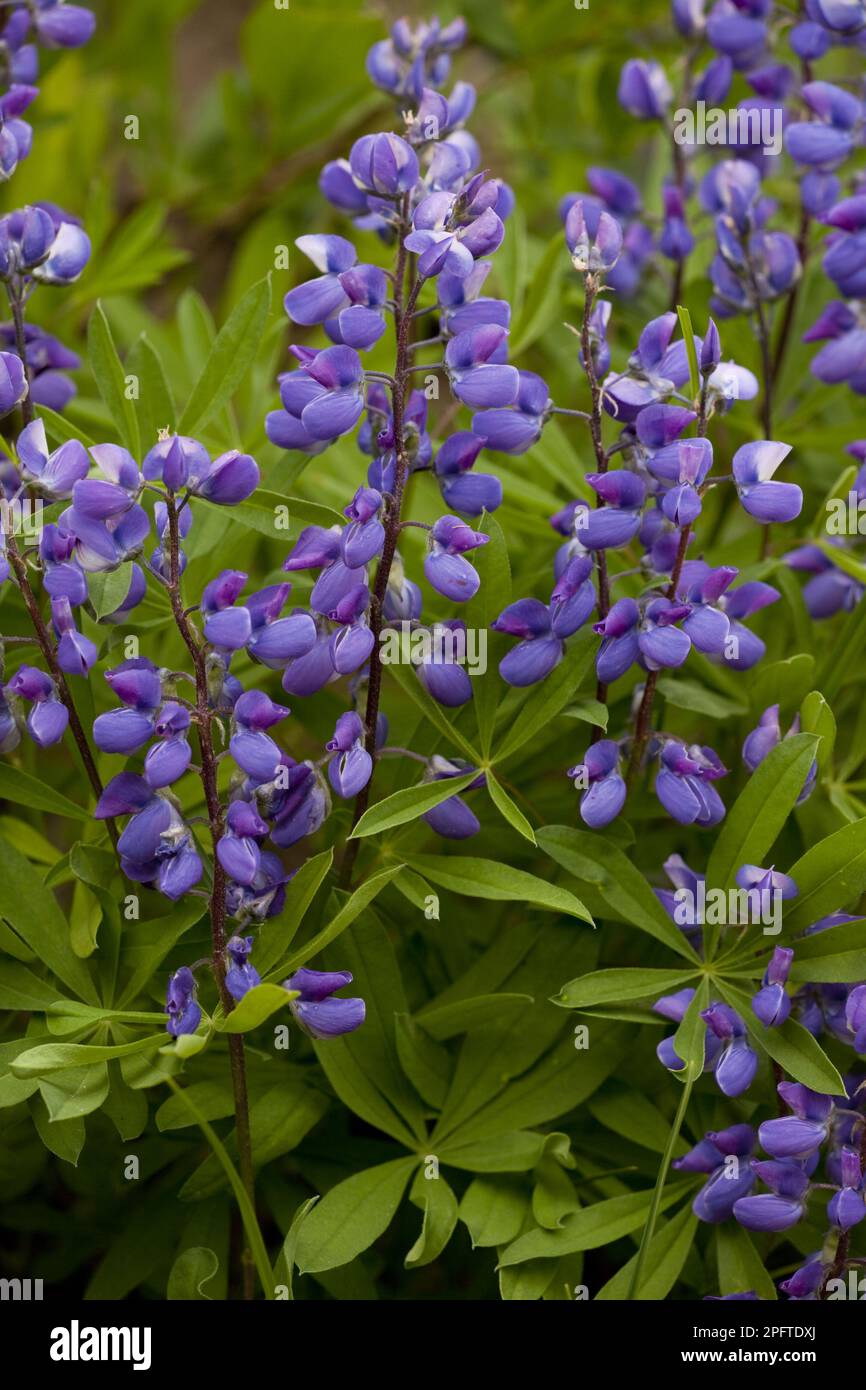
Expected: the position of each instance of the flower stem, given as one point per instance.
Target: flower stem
(208, 761)
(596, 395)
(404, 308)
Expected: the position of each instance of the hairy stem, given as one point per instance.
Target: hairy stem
(643, 724)
(591, 289)
(208, 772)
(404, 307)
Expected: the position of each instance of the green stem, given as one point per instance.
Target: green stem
(649, 1228)
(245, 1206)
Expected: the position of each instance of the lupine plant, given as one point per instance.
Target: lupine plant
(491, 531)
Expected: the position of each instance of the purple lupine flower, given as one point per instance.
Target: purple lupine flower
(238, 848)
(801, 1134)
(76, 654)
(680, 905)
(316, 1009)
(763, 739)
(168, 759)
(515, 429)
(767, 501)
(847, 1208)
(661, 644)
(592, 252)
(274, 640)
(676, 240)
(600, 779)
(350, 770)
(830, 590)
(739, 603)
(363, 538)
(317, 300)
(68, 254)
(252, 749)
(540, 649)
(724, 1155)
(156, 846)
(461, 487)
(264, 897)
(738, 1062)
(160, 561)
(48, 716)
(619, 647)
(763, 885)
(453, 231)
(184, 1011)
(444, 565)
(684, 784)
(384, 164)
(618, 522)
(136, 682)
(644, 90)
(707, 626)
(452, 818)
(54, 474)
(805, 1282)
(476, 378)
(295, 800)
(772, 1004)
(855, 1016)
(240, 976)
(49, 361)
(336, 399)
(440, 670)
(782, 1207)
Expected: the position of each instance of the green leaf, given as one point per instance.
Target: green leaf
(236, 345)
(33, 911)
(257, 1004)
(448, 1020)
(351, 909)
(691, 695)
(285, 1267)
(485, 878)
(493, 1209)
(591, 1227)
(111, 379)
(550, 697)
(666, 1255)
(51, 1057)
(834, 956)
(108, 590)
(75, 1092)
(213, 1101)
(65, 1138)
(512, 813)
(791, 1045)
(783, 682)
(155, 404)
(542, 297)
(434, 713)
(276, 935)
(830, 876)
(619, 985)
(427, 1065)
(439, 1205)
(21, 989)
(408, 804)
(759, 812)
(688, 333)
(21, 789)
(741, 1269)
(594, 860)
(816, 717)
(190, 1272)
(352, 1215)
(590, 712)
